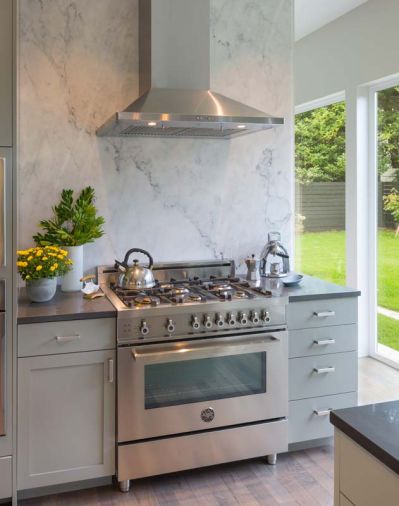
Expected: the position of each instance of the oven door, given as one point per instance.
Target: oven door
(201, 384)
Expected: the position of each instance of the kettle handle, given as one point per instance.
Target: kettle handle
(138, 250)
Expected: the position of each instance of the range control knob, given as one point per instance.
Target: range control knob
(170, 326)
(231, 319)
(195, 323)
(208, 322)
(243, 319)
(144, 329)
(219, 320)
(266, 316)
(254, 317)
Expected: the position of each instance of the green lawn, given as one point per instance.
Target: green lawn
(322, 254)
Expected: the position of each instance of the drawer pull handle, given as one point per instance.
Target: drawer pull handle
(110, 371)
(323, 370)
(67, 339)
(323, 342)
(322, 412)
(323, 314)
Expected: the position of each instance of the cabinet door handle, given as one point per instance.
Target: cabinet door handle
(322, 412)
(322, 342)
(67, 339)
(323, 314)
(110, 370)
(323, 370)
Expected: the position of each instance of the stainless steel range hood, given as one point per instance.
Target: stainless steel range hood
(174, 67)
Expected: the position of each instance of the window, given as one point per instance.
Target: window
(387, 237)
(320, 192)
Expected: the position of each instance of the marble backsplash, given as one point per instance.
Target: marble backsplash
(179, 199)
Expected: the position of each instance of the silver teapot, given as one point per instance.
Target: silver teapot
(135, 277)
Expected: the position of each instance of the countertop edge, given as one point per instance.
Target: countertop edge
(22, 320)
(340, 295)
(367, 444)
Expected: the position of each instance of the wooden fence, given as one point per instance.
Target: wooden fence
(323, 206)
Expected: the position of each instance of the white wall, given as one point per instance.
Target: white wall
(344, 56)
(359, 47)
(182, 199)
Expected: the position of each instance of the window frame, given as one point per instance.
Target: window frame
(334, 98)
(373, 89)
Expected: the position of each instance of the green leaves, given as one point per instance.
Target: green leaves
(388, 129)
(391, 204)
(73, 223)
(320, 144)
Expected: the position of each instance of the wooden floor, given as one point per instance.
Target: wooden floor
(300, 478)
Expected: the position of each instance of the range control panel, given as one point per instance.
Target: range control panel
(155, 326)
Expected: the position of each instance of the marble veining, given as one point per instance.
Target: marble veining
(180, 199)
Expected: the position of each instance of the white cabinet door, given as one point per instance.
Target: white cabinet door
(66, 418)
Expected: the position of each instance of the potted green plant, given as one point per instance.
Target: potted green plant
(39, 267)
(74, 223)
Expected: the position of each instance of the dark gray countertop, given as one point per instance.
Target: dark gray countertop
(64, 306)
(309, 289)
(72, 306)
(375, 427)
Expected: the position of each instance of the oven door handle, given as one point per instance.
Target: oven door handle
(242, 346)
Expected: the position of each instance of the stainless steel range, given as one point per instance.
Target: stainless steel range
(202, 370)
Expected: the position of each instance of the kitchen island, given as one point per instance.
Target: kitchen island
(367, 455)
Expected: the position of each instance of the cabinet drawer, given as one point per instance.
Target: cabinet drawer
(321, 313)
(322, 375)
(323, 340)
(310, 419)
(5, 477)
(66, 336)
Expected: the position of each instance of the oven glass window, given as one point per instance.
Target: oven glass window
(205, 379)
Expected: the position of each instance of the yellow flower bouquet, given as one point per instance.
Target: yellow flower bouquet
(43, 262)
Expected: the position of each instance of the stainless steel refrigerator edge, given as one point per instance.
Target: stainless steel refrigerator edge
(5, 300)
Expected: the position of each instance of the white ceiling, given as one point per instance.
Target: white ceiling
(310, 15)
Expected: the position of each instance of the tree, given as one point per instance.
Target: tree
(388, 129)
(320, 144)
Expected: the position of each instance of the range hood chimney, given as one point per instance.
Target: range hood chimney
(174, 80)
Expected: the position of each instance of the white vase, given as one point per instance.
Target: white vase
(71, 280)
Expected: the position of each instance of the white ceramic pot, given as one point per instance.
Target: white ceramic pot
(71, 280)
(41, 290)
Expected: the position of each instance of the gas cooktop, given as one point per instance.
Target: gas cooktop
(191, 291)
(189, 300)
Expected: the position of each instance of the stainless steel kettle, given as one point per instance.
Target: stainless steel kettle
(135, 277)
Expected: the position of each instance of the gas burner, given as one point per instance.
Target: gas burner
(220, 287)
(186, 298)
(173, 290)
(179, 290)
(145, 300)
(262, 291)
(241, 294)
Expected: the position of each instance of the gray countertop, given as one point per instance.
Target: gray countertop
(310, 288)
(64, 306)
(72, 306)
(375, 427)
